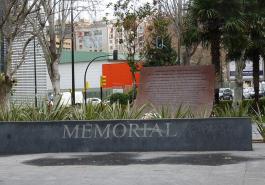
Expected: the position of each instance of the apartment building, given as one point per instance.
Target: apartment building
(67, 41)
(104, 37)
(91, 37)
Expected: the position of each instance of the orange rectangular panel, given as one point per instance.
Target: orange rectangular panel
(118, 75)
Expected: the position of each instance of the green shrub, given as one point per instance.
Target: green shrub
(120, 98)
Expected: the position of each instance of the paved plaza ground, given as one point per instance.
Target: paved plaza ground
(137, 168)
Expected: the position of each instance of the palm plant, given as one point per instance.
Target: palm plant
(235, 41)
(255, 18)
(210, 16)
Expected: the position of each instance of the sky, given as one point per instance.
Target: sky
(102, 10)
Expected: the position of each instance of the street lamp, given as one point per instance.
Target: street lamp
(115, 57)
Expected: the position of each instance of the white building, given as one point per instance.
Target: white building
(82, 59)
(24, 90)
(247, 72)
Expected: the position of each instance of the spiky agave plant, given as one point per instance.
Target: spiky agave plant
(88, 112)
(47, 113)
(118, 111)
(260, 121)
(229, 111)
(15, 113)
(165, 112)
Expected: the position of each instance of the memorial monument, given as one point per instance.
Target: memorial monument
(191, 87)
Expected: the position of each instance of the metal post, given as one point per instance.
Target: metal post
(101, 93)
(35, 73)
(73, 54)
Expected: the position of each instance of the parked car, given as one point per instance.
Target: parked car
(252, 92)
(227, 94)
(93, 101)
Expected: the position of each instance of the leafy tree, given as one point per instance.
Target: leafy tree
(190, 37)
(174, 9)
(130, 15)
(51, 31)
(13, 14)
(164, 54)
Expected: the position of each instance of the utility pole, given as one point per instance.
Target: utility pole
(180, 29)
(73, 54)
(35, 73)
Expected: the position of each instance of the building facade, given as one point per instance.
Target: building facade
(104, 37)
(92, 37)
(24, 90)
(247, 72)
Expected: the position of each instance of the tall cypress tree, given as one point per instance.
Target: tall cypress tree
(158, 49)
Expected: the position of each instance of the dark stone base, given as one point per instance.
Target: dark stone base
(126, 135)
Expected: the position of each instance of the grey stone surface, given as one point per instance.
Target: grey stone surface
(126, 135)
(136, 168)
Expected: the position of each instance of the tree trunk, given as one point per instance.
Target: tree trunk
(256, 76)
(5, 91)
(186, 56)
(133, 86)
(6, 81)
(54, 74)
(215, 53)
(238, 94)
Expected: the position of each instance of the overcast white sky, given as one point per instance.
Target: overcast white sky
(102, 10)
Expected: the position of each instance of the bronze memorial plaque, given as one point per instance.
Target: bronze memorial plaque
(174, 86)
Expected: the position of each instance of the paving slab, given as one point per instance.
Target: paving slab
(136, 168)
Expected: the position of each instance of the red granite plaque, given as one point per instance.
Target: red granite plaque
(174, 86)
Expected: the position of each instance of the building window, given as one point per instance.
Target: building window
(98, 32)
(88, 33)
